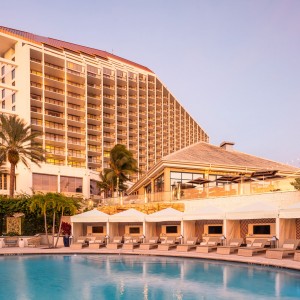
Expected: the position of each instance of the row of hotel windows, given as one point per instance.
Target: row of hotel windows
(13, 100)
(44, 182)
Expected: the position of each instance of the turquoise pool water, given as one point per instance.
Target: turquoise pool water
(140, 277)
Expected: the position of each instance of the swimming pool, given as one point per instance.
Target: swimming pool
(140, 277)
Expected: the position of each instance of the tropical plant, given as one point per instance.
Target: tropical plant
(105, 185)
(122, 163)
(18, 144)
(296, 184)
(53, 204)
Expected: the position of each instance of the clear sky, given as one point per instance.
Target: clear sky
(234, 65)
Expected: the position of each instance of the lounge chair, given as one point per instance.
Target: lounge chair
(210, 245)
(297, 256)
(115, 244)
(131, 243)
(257, 246)
(11, 241)
(34, 242)
(151, 244)
(97, 242)
(168, 244)
(288, 247)
(189, 245)
(82, 241)
(232, 247)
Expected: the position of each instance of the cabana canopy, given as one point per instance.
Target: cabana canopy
(90, 216)
(258, 210)
(130, 215)
(208, 212)
(290, 212)
(167, 214)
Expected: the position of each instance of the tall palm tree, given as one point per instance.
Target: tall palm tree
(18, 144)
(121, 164)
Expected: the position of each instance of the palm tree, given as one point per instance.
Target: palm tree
(121, 164)
(105, 185)
(18, 144)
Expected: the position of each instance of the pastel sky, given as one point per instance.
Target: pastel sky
(234, 65)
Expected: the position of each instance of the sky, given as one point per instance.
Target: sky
(234, 65)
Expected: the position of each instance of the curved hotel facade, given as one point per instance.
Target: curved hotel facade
(84, 101)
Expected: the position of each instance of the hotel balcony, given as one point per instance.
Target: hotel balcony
(93, 148)
(54, 104)
(55, 152)
(108, 108)
(75, 143)
(55, 139)
(93, 108)
(108, 118)
(54, 127)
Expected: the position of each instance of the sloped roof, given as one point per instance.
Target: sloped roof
(205, 153)
(129, 215)
(167, 214)
(208, 212)
(290, 212)
(258, 210)
(66, 45)
(90, 216)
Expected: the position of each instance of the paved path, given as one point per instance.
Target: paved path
(257, 259)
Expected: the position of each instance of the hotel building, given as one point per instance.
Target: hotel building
(83, 101)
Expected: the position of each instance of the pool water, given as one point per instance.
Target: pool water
(140, 277)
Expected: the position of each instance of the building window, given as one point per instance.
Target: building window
(44, 182)
(13, 108)
(2, 70)
(13, 98)
(3, 104)
(3, 80)
(3, 181)
(183, 178)
(3, 93)
(13, 74)
(159, 184)
(70, 184)
(148, 188)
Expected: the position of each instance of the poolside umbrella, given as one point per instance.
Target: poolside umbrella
(199, 180)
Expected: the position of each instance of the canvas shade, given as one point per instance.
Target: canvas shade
(208, 212)
(91, 216)
(130, 215)
(258, 210)
(290, 212)
(167, 214)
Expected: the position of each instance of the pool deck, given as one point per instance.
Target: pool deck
(257, 259)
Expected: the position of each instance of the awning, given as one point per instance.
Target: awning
(167, 214)
(91, 216)
(290, 212)
(130, 215)
(258, 210)
(208, 212)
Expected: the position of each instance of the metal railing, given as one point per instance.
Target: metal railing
(204, 192)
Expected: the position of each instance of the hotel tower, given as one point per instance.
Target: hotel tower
(83, 101)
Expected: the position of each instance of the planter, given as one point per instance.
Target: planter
(66, 240)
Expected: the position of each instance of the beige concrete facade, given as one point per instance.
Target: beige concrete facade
(83, 105)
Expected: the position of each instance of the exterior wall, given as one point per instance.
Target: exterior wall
(84, 105)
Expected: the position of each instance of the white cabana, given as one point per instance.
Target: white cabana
(85, 223)
(130, 215)
(208, 212)
(167, 214)
(258, 210)
(128, 222)
(290, 212)
(90, 216)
